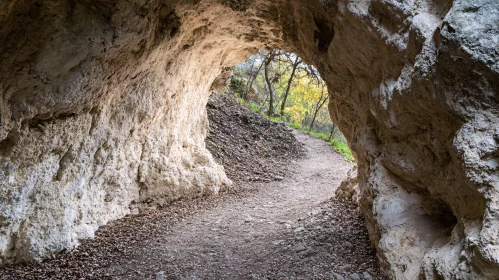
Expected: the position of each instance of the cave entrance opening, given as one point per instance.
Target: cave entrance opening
(283, 87)
(279, 86)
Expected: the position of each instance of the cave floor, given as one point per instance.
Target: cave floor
(288, 229)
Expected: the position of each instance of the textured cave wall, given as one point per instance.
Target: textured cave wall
(103, 107)
(96, 117)
(414, 87)
(102, 111)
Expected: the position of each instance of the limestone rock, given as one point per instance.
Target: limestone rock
(349, 188)
(103, 110)
(421, 122)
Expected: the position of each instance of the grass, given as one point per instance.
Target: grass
(253, 107)
(340, 146)
(343, 149)
(295, 125)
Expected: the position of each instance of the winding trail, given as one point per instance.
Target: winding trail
(289, 229)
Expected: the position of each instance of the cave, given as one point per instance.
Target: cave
(103, 108)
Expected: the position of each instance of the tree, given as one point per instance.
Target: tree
(252, 75)
(268, 61)
(322, 100)
(250, 79)
(280, 83)
(331, 135)
(295, 64)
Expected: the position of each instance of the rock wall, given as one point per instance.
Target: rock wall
(414, 87)
(103, 111)
(103, 108)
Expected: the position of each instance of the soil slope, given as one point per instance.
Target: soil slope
(250, 147)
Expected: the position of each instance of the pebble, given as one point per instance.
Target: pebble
(299, 248)
(345, 267)
(281, 275)
(160, 275)
(307, 253)
(355, 276)
(299, 229)
(367, 276)
(347, 244)
(336, 276)
(277, 242)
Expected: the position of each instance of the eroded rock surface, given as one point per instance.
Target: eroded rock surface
(103, 111)
(414, 89)
(349, 188)
(103, 108)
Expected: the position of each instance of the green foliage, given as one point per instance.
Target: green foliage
(316, 134)
(216, 146)
(343, 149)
(275, 118)
(237, 86)
(252, 106)
(305, 101)
(337, 144)
(295, 125)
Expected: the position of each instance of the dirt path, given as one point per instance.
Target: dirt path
(288, 229)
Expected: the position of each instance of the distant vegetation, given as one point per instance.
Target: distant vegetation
(281, 87)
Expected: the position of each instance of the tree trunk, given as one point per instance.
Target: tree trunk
(332, 133)
(320, 103)
(252, 79)
(263, 104)
(295, 65)
(250, 76)
(269, 84)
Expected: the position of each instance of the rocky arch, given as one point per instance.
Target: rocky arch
(102, 111)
